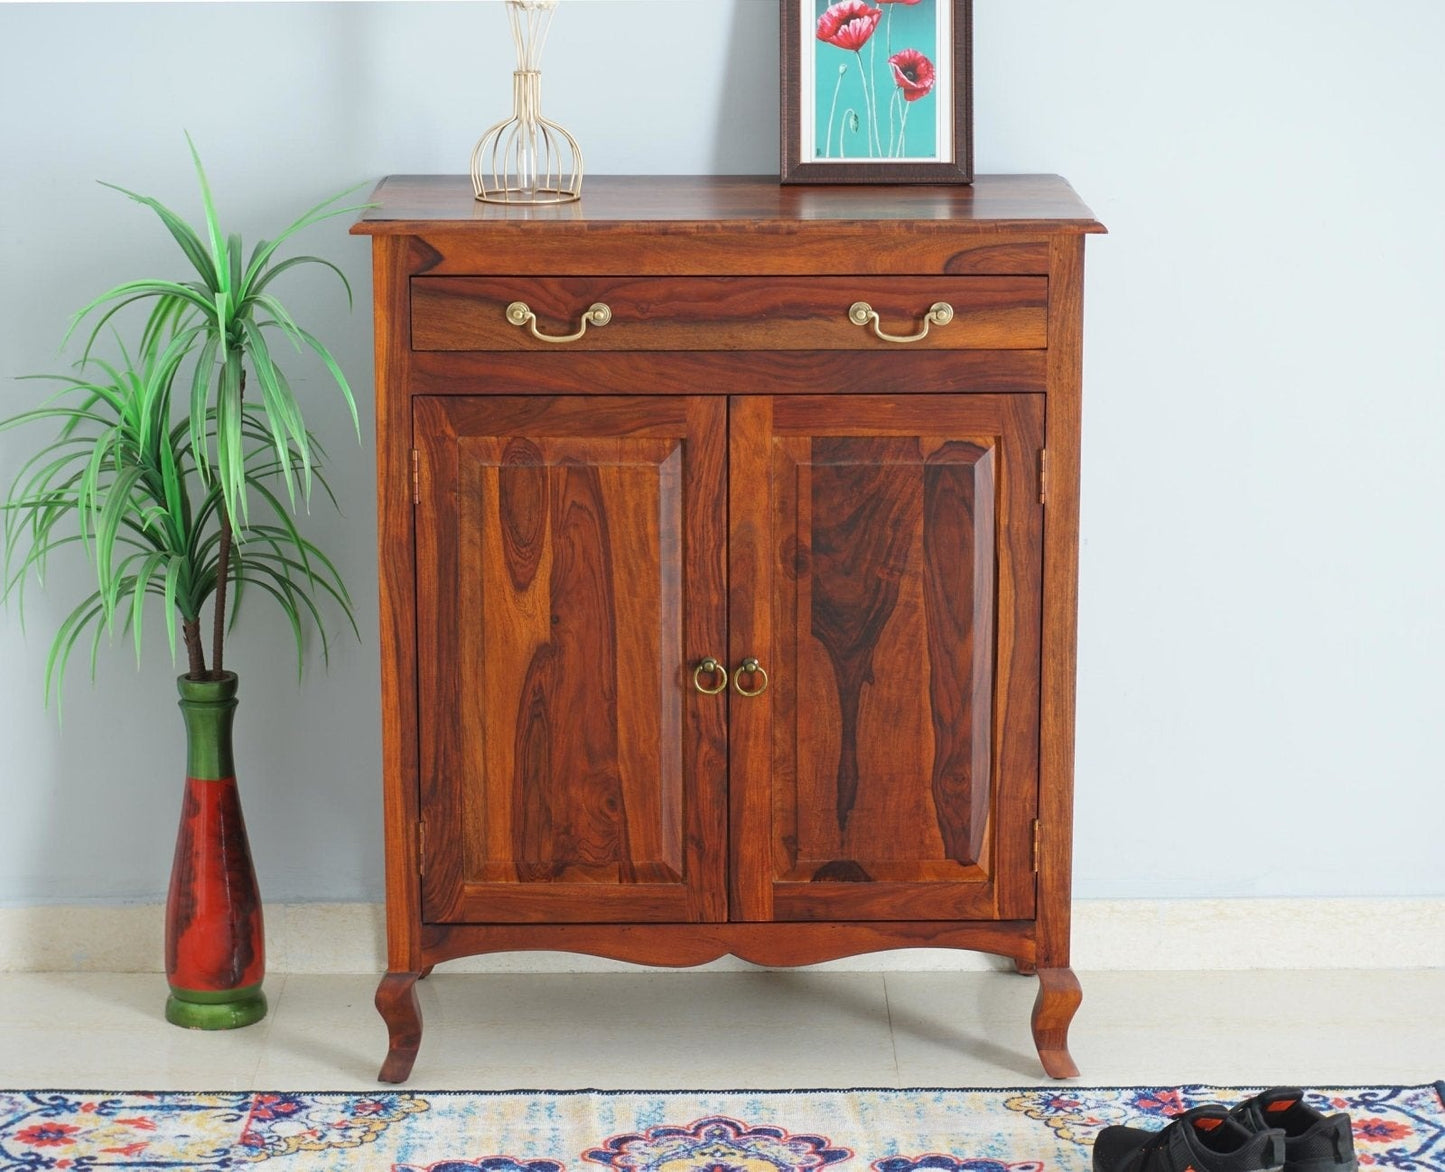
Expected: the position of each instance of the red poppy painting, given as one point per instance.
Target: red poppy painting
(849, 24)
(876, 91)
(913, 74)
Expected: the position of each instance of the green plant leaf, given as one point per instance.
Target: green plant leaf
(175, 570)
(141, 480)
(322, 211)
(183, 233)
(200, 397)
(281, 592)
(336, 373)
(233, 263)
(65, 639)
(229, 457)
(127, 294)
(213, 226)
(282, 414)
(276, 270)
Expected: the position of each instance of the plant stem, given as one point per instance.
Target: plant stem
(223, 570)
(195, 653)
(223, 576)
(872, 134)
(888, 52)
(833, 109)
(873, 81)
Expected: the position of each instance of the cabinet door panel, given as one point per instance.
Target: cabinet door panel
(892, 554)
(570, 564)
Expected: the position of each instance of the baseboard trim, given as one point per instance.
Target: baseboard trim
(1108, 934)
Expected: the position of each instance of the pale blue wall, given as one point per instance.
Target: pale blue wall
(1260, 696)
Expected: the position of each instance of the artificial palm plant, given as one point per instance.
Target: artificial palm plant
(172, 483)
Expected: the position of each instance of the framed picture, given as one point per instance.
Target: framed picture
(877, 91)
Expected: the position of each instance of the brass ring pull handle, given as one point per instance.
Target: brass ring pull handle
(520, 314)
(709, 666)
(940, 313)
(750, 667)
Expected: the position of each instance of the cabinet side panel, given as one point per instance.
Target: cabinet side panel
(1061, 595)
(391, 284)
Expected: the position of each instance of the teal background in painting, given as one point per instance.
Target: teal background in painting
(913, 26)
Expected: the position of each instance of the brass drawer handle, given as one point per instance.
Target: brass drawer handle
(520, 314)
(709, 666)
(750, 667)
(940, 313)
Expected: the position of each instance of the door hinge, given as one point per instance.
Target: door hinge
(421, 848)
(415, 476)
(1043, 476)
(1036, 846)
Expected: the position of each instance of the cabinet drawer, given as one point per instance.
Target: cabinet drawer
(728, 313)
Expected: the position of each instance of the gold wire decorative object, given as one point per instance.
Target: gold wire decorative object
(527, 159)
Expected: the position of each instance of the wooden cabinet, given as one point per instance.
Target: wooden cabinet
(886, 567)
(570, 552)
(722, 613)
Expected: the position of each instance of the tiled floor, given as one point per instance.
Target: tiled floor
(718, 1030)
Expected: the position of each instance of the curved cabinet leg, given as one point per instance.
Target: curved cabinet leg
(1025, 968)
(396, 1002)
(1054, 1008)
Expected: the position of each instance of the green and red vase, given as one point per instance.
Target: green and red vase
(215, 944)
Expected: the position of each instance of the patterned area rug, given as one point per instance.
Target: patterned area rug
(741, 1131)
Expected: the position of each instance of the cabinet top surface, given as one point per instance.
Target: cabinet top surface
(412, 204)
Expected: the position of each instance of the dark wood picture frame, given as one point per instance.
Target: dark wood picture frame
(797, 36)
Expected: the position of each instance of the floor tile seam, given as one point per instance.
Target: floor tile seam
(892, 1037)
(272, 1008)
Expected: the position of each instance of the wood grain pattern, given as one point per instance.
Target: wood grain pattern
(843, 247)
(838, 513)
(877, 738)
(772, 944)
(958, 583)
(556, 775)
(742, 205)
(750, 610)
(743, 225)
(778, 372)
(717, 313)
(1060, 616)
(862, 521)
(392, 258)
(1059, 998)
(397, 1003)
